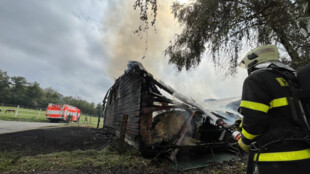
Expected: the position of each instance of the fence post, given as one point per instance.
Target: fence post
(16, 111)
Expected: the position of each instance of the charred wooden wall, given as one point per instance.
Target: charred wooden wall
(135, 94)
(125, 98)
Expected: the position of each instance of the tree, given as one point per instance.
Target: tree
(226, 26)
(35, 94)
(18, 90)
(51, 96)
(69, 100)
(4, 87)
(99, 109)
(143, 5)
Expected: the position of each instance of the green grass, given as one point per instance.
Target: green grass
(32, 115)
(104, 160)
(23, 115)
(91, 121)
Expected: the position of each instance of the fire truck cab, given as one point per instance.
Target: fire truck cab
(62, 112)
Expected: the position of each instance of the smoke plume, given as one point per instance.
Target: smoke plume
(124, 45)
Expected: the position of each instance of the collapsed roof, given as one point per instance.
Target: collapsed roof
(158, 117)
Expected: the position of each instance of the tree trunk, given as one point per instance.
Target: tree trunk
(296, 60)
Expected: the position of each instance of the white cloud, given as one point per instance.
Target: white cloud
(56, 43)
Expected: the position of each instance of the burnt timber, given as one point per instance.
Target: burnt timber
(146, 103)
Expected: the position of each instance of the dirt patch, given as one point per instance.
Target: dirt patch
(43, 141)
(81, 140)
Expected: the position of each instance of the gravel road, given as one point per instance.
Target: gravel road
(17, 126)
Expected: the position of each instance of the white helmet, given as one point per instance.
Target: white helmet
(260, 54)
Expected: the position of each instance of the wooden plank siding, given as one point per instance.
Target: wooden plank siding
(125, 98)
(134, 94)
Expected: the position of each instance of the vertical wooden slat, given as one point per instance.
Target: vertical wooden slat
(122, 133)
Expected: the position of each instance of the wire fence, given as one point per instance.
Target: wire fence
(19, 111)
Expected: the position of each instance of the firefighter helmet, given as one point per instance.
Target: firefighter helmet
(260, 54)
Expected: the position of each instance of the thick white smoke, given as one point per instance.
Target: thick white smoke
(123, 45)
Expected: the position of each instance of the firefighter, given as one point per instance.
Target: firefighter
(269, 132)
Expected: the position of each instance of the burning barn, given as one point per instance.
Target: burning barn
(158, 118)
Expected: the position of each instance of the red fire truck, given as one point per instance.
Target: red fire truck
(57, 112)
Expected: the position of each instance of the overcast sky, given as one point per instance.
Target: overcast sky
(80, 47)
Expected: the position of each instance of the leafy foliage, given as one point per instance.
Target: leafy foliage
(143, 6)
(99, 109)
(225, 27)
(4, 86)
(17, 91)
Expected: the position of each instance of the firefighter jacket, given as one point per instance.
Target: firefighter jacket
(267, 117)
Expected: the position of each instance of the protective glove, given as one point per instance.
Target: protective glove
(243, 146)
(238, 125)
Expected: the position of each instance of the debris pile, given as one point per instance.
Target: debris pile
(161, 120)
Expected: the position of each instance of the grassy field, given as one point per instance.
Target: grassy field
(23, 114)
(33, 115)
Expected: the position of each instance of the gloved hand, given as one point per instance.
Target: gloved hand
(243, 146)
(238, 125)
